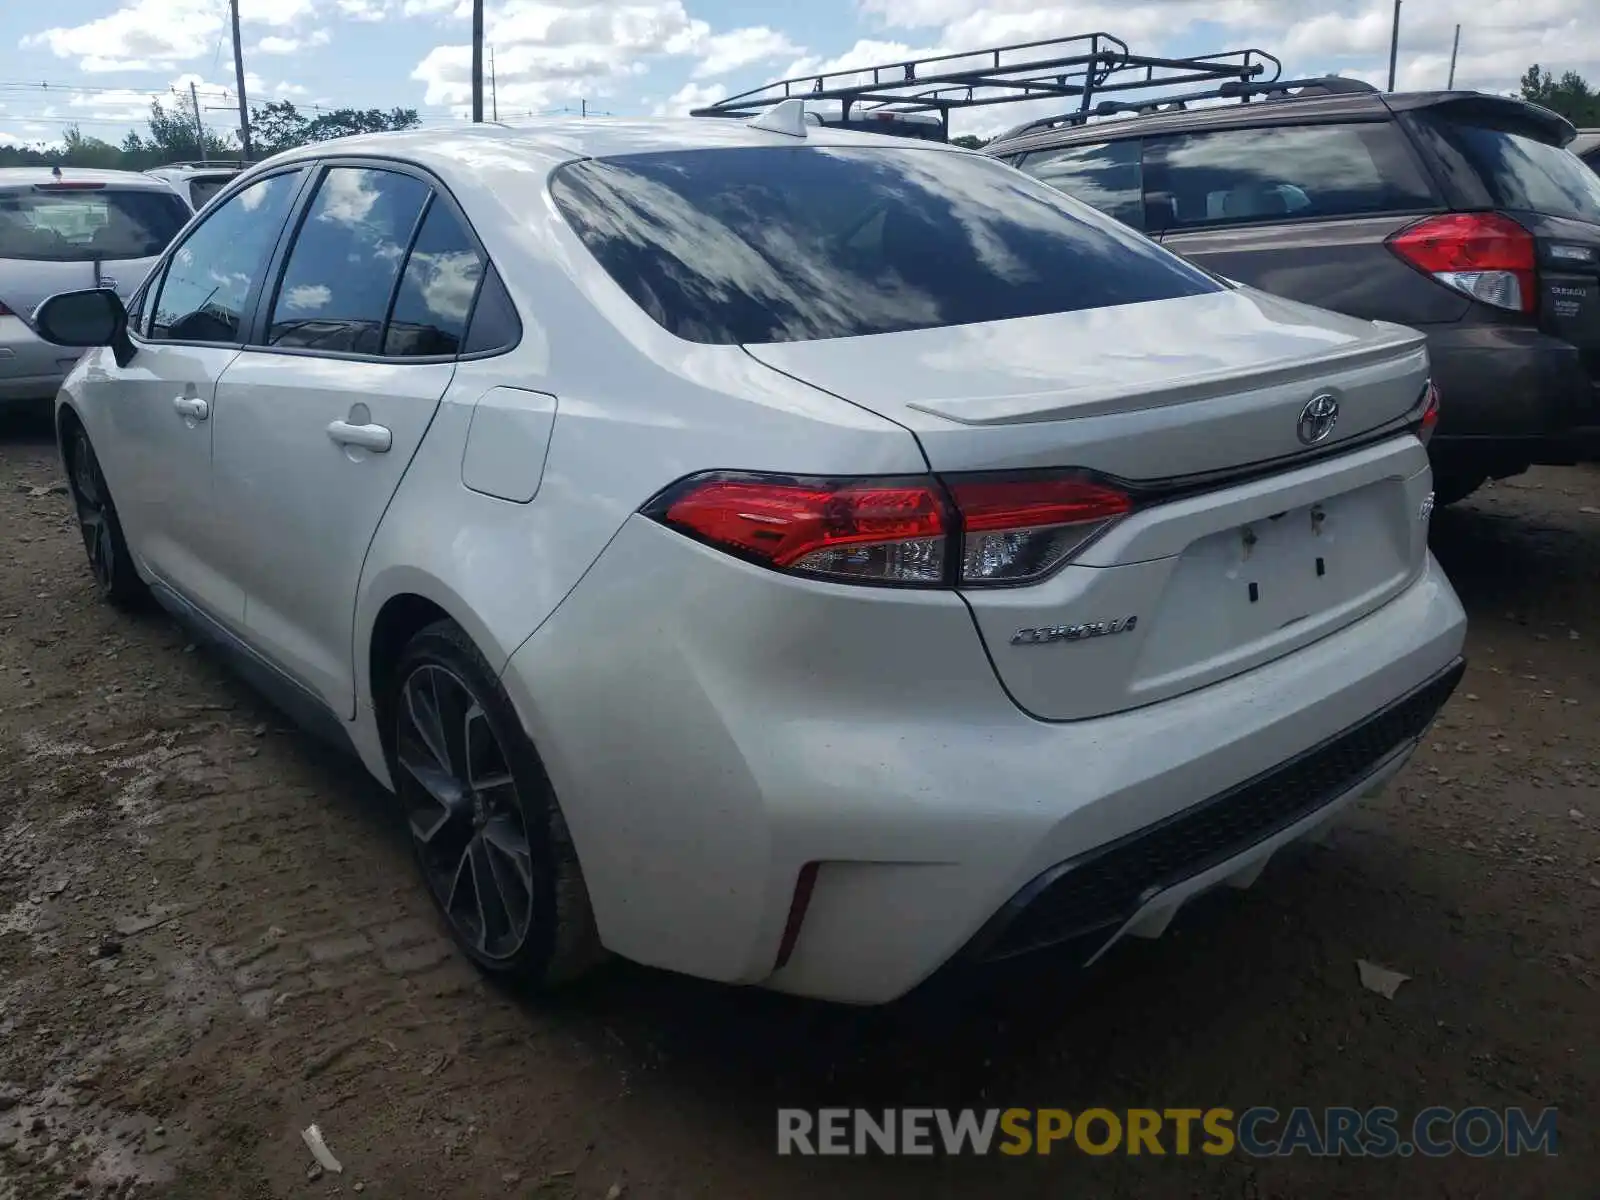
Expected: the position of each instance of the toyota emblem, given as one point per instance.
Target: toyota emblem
(1318, 418)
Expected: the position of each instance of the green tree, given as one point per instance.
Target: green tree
(1571, 95)
(278, 125)
(175, 135)
(81, 151)
(970, 142)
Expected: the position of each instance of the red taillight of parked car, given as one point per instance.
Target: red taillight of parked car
(1485, 255)
(1430, 412)
(919, 531)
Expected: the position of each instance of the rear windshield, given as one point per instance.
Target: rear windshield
(203, 187)
(1520, 171)
(779, 244)
(83, 225)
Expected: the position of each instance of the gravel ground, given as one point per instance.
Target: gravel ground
(210, 937)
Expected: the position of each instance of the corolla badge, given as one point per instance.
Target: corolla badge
(1318, 418)
(1045, 634)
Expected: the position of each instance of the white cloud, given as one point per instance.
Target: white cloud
(689, 96)
(363, 10)
(289, 45)
(548, 52)
(150, 34)
(724, 52)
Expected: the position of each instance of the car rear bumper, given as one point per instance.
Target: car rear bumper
(1511, 397)
(711, 727)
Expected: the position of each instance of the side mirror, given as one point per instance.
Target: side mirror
(89, 318)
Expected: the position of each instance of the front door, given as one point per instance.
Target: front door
(154, 429)
(317, 425)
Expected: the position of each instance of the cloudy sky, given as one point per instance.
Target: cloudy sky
(96, 63)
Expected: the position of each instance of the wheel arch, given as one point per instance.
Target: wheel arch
(401, 604)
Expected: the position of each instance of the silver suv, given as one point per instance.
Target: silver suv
(198, 181)
(66, 229)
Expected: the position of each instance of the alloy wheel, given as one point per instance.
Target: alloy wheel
(89, 496)
(464, 812)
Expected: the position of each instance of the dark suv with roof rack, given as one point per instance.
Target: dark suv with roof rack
(1457, 213)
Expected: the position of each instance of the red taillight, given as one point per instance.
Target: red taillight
(969, 530)
(1430, 412)
(1020, 529)
(1485, 255)
(68, 187)
(890, 531)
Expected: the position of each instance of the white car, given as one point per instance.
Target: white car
(777, 554)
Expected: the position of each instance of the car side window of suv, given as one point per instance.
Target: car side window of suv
(212, 274)
(338, 282)
(1279, 173)
(1105, 175)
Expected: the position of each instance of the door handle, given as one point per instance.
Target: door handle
(369, 437)
(192, 407)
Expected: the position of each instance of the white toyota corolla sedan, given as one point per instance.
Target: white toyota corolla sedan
(773, 553)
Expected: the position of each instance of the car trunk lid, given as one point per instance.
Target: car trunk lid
(1243, 543)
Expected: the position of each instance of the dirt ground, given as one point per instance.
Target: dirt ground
(211, 936)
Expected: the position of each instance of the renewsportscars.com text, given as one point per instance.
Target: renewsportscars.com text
(1259, 1132)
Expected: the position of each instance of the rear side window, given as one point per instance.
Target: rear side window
(436, 289)
(1518, 170)
(72, 223)
(1106, 175)
(1235, 176)
(341, 272)
(777, 244)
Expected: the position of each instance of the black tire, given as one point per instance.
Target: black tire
(470, 784)
(1452, 489)
(109, 559)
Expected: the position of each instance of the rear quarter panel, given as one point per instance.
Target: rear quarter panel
(1340, 264)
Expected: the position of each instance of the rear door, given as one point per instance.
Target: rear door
(1301, 211)
(318, 419)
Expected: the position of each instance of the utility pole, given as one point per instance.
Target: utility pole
(1451, 86)
(477, 61)
(494, 92)
(583, 108)
(238, 74)
(1394, 44)
(199, 129)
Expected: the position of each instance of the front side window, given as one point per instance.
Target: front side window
(71, 222)
(1281, 172)
(341, 272)
(775, 244)
(211, 275)
(1106, 176)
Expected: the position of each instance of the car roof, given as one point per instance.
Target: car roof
(195, 170)
(1275, 111)
(558, 140)
(33, 176)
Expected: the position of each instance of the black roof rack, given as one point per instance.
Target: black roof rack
(1078, 68)
(1274, 89)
